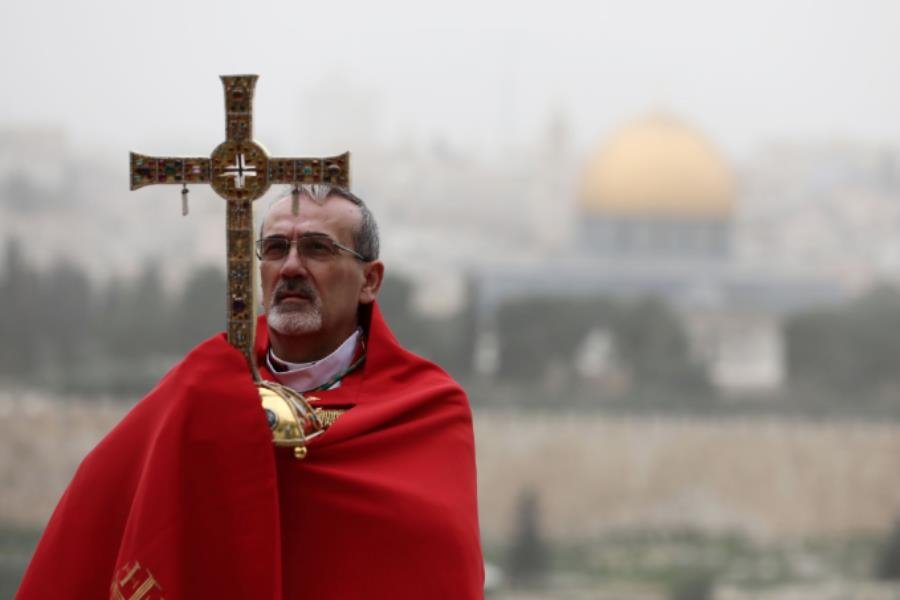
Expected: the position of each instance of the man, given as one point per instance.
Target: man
(188, 498)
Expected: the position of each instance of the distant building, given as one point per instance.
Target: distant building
(656, 217)
(657, 191)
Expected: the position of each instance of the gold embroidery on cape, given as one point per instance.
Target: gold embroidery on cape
(134, 582)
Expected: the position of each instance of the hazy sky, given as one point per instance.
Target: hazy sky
(119, 75)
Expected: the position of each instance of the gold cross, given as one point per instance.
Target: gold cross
(240, 171)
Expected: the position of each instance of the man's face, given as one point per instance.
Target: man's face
(311, 298)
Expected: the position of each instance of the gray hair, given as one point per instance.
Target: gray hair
(365, 238)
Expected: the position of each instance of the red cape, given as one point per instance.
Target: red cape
(187, 497)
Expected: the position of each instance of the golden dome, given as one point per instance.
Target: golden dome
(661, 167)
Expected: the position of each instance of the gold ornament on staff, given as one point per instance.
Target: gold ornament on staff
(240, 171)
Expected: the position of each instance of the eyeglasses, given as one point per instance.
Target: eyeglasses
(316, 246)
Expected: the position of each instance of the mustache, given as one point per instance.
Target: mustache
(295, 286)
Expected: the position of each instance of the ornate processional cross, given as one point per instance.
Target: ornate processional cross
(240, 171)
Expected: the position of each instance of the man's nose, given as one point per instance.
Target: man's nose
(293, 263)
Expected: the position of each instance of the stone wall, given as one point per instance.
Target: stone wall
(768, 477)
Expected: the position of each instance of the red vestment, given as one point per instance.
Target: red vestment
(187, 497)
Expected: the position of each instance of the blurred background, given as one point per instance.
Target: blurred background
(658, 243)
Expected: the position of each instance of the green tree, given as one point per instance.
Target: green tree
(652, 342)
(536, 331)
(18, 289)
(852, 348)
(889, 562)
(199, 311)
(136, 315)
(65, 311)
(693, 585)
(529, 554)
(395, 301)
(648, 337)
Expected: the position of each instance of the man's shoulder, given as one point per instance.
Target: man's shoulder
(387, 353)
(413, 383)
(198, 383)
(422, 368)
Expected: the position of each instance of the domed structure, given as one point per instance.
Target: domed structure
(658, 166)
(657, 191)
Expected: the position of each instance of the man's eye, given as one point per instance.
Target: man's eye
(273, 247)
(317, 247)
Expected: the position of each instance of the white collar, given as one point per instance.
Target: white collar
(302, 377)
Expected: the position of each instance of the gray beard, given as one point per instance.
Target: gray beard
(287, 321)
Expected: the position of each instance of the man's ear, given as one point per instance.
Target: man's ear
(374, 275)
